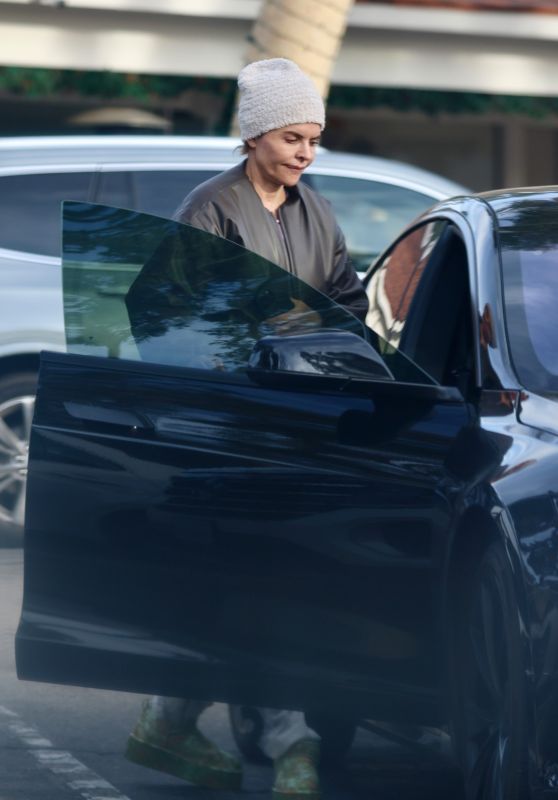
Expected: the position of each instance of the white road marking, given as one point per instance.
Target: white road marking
(79, 779)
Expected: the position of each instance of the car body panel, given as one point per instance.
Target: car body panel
(263, 494)
(522, 503)
(39, 279)
(268, 531)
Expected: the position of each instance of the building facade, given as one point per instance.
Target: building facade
(464, 87)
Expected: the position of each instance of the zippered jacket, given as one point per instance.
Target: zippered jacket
(304, 239)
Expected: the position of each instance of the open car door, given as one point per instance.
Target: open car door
(231, 495)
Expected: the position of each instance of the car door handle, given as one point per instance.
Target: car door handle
(111, 418)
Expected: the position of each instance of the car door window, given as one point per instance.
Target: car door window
(420, 301)
(370, 213)
(158, 192)
(137, 286)
(30, 209)
(141, 287)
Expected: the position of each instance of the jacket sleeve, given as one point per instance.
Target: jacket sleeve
(344, 286)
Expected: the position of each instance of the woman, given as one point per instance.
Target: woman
(261, 205)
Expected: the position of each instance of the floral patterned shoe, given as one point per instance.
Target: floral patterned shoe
(296, 772)
(188, 754)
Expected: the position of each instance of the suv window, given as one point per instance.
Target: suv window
(158, 192)
(30, 209)
(141, 287)
(370, 213)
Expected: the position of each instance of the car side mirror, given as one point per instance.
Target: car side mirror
(331, 353)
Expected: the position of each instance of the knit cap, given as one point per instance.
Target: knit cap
(274, 93)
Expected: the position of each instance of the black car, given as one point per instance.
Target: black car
(239, 492)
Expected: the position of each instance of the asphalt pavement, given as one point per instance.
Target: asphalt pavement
(66, 743)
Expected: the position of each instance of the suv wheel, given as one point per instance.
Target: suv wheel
(17, 402)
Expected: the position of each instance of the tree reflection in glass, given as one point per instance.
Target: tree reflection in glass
(137, 286)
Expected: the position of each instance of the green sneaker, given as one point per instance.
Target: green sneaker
(188, 754)
(296, 772)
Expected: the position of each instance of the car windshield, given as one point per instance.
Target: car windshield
(141, 287)
(530, 271)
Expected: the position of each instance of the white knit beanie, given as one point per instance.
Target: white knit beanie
(274, 93)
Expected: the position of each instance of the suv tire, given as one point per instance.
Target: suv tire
(17, 402)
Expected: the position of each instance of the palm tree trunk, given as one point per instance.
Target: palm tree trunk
(308, 32)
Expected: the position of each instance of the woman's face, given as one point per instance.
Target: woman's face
(281, 156)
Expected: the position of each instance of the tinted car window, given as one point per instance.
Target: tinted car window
(157, 192)
(137, 286)
(370, 213)
(30, 209)
(145, 288)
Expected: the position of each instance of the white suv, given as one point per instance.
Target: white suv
(372, 198)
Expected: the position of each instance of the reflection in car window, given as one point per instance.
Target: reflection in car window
(140, 287)
(530, 290)
(393, 284)
(370, 213)
(30, 209)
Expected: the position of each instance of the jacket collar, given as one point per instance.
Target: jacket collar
(293, 192)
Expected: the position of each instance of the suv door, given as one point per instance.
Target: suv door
(225, 500)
